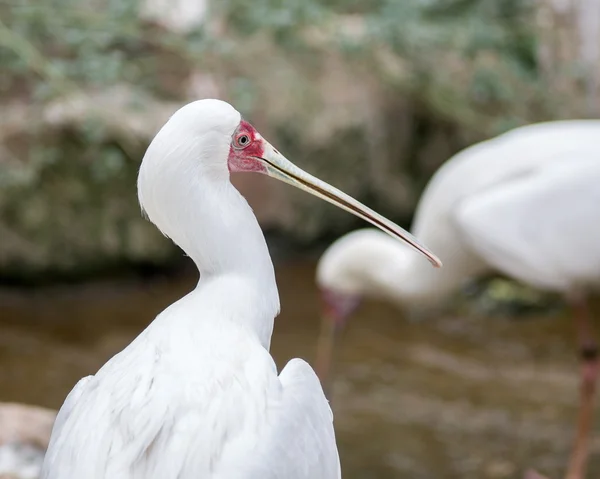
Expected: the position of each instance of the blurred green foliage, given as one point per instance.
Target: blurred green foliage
(59, 42)
(455, 68)
(470, 60)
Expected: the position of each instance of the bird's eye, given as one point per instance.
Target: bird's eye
(242, 140)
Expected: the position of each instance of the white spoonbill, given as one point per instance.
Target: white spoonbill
(197, 395)
(526, 203)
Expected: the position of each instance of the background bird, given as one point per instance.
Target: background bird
(197, 395)
(524, 204)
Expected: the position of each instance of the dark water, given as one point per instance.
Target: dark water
(452, 397)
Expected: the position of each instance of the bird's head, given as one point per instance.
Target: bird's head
(208, 139)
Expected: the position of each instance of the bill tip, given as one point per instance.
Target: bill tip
(435, 261)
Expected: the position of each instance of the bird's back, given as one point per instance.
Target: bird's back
(500, 159)
(541, 229)
(192, 397)
(487, 165)
(369, 262)
(149, 413)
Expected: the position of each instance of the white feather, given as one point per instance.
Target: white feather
(524, 203)
(197, 395)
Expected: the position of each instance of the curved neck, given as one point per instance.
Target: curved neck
(411, 280)
(215, 226)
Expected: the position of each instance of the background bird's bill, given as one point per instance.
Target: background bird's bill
(279, 167)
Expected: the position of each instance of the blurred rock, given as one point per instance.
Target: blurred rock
(24, 436)
(20, 461)
(20, 423)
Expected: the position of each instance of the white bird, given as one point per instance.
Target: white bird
(197, 395)
(526, 203)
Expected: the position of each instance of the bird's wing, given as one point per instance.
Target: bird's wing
(101, 430)
(542, 228)
(300, 441)
(143, 415)
(67, 408)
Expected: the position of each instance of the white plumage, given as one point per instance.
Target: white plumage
(526, 203)
(197, 395)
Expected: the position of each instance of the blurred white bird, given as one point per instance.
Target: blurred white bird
(526, 203)
(197, 395)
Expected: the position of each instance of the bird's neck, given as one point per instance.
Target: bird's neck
(419, 283)
(220, 233)
(415, 283)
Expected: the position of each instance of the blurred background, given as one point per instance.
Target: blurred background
(369, 95)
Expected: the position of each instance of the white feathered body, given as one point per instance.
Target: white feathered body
(196, 399)
(526, 203)
(196, 395)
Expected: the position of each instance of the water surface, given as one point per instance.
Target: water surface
(452, 397)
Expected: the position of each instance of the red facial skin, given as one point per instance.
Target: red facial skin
(339, 306)
(246, 146)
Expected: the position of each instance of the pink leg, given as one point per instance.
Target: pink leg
(325, 346)
(337, 307)
(588, 350)
(590, 367)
